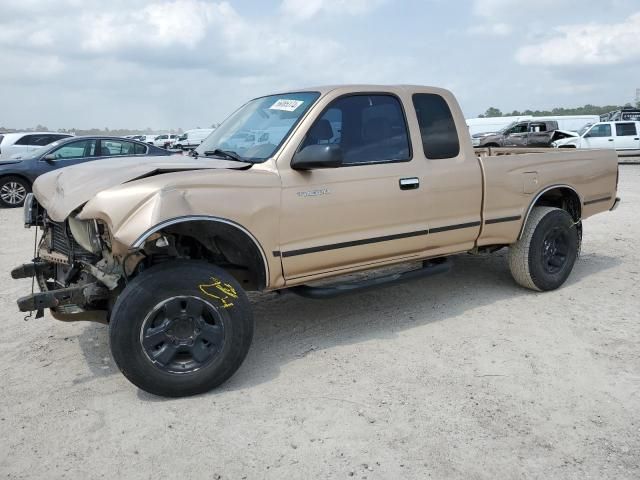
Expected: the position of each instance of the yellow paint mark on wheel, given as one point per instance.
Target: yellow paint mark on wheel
(220, 291)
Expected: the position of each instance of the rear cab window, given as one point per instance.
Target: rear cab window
(626, 129)
(538, 127)
(437, 126)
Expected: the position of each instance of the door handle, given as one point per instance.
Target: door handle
(611, 139)
(637, 138)
(410, 183)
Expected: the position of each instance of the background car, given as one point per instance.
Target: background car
(165, 140)
(611, 135)
(12, 143)
(192, 138)
(148, 139)
(18, 174)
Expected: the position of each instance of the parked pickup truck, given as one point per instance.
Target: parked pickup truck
(521, 134)
(623, 135)
(351, 178)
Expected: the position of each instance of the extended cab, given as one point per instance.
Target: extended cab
(520, 134)
(337, 180)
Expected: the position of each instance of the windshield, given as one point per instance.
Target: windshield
(584, 129)
(504, 129)
(257, 129)
(35, 153)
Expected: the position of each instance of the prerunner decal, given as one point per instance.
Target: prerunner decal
(220, 291)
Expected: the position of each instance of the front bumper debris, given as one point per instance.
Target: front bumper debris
(29, 270)
(53, 298)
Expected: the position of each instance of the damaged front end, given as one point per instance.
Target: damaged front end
(73, 267)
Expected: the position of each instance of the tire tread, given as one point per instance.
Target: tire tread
(519, 251)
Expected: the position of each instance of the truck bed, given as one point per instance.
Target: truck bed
(512, 184)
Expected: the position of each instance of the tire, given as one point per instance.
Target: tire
(13, 191)
(545, 254)
(180, 328)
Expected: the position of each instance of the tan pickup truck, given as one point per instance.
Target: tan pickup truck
(292, 192)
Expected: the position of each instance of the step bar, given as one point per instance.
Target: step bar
(429, 268)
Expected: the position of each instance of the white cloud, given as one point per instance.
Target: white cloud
(491, 29)
(589, 44)
(191, 34)
(306, 9)
(501, 9)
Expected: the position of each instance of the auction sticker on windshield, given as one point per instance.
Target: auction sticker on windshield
(286, 105)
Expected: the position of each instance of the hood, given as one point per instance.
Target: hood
(483, 134)
(62, 191)
(566, 133)
(9, 162)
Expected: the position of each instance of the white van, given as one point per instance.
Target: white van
(192, 138)
(623, 135)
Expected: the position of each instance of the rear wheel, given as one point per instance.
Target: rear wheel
(181, 328)
(13, 191)
(545, 254)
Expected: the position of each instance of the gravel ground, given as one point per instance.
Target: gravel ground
(460, 376)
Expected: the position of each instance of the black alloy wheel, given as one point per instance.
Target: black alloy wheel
(182, 334)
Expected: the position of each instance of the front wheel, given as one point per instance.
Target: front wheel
(181, 328)
(545, 254)
(13, 191)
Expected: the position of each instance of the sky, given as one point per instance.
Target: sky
(190, 63)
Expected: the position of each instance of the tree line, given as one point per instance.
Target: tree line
(584, 110)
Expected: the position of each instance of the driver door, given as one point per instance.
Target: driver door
(516, 136)
(364, 211)
(600, 136)
(72, 153)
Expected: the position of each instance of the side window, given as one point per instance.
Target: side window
(79, 149)
(601, 130)
(368, 128)
(139, 149)
(47, 139)
(520, 128)
(538, 127)
(626, 129)
(26, 140)
(437, 127)
(116, 147)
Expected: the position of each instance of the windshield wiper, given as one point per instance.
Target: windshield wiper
(227, 154)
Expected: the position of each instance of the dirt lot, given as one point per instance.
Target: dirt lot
(461, 376)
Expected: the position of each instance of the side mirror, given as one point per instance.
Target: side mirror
(317, 156)
(50, 157)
